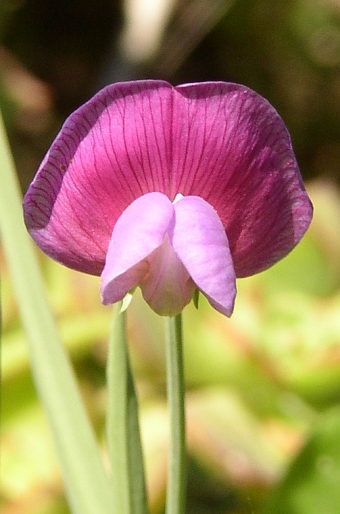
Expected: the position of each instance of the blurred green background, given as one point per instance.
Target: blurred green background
(263, 388)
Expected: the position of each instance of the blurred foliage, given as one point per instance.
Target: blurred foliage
(263, 387)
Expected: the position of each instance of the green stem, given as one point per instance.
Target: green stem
(123, 436)
(176, 491)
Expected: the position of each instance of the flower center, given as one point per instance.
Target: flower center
(167, 286)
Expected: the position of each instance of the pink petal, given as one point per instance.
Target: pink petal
(231, 148)
(201, 244)
(138, 232)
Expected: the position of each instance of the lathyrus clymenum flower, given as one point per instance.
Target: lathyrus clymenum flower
(173, 189)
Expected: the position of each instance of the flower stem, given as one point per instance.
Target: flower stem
(127, 470)
(176, 491)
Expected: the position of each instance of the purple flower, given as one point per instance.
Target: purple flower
(171, 189)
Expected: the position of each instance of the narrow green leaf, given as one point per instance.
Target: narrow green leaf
(126, 457)
(85, 480)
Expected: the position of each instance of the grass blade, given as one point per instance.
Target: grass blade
(85, 480)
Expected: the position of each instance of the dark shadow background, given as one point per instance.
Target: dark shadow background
(287, 50)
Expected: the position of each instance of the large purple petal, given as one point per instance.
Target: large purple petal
(201, 244)
(138, 232)
(231, 148)
(109, 152)
(220, 141)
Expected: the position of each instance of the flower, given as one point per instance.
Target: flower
(173, 189)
